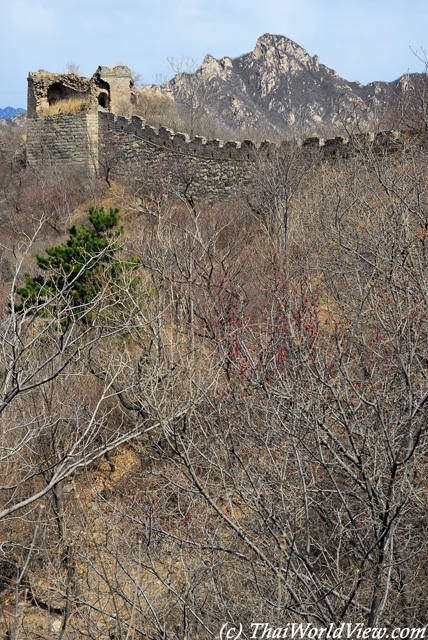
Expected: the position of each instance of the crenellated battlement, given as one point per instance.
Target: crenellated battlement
(178, 142)
(216, 149)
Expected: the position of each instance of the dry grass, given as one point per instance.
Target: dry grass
(63, 107)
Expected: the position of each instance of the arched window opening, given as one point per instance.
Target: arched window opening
(103, 100)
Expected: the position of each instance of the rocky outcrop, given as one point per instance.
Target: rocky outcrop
(278, 87)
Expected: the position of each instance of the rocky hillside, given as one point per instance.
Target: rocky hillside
(278, 87)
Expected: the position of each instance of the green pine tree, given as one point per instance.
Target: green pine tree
(70, 267)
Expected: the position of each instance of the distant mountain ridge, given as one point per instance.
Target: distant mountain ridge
(278, 87)
(9, 112)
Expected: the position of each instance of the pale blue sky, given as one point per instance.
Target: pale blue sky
(362, 40)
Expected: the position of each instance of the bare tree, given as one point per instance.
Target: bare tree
(275, 179)
(189, 91)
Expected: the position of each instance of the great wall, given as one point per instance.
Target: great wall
(94, 136)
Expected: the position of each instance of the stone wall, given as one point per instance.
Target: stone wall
(380, 143)
(71, 139)
(212, 168)
(205, 168)
(100, 140)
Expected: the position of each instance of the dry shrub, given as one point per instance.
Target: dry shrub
(64, 107)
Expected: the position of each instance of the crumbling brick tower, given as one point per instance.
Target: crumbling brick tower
(62, 113)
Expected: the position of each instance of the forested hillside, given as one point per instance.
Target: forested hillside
(217, 414)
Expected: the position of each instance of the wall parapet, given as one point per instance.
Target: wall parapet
(166, 139)
(198, 146)
(214, 168)
(102, 140)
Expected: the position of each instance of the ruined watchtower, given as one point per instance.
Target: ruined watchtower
(62, 112)
(115, 89)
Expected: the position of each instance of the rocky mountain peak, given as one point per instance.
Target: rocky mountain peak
(278, 89)
(281, 53)
(213, 67)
